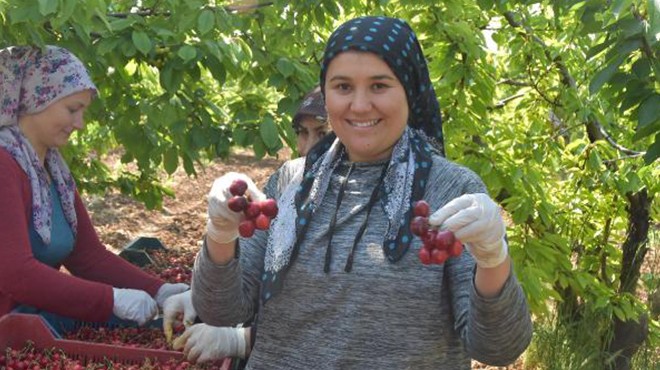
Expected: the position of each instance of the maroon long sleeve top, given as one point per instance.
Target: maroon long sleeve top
(86, 293)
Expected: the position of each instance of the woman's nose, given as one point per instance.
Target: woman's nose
(309, 144)
(79, 121)
(361, 102)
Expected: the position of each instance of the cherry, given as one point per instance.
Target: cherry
(444, 239)
(252, 210)
(269, 207)
(421, 208)
(439, 256)
(262, 222)
(237, 203)
(456, 249)
(425, 256)
(238, 187)
(246, 228)
(437, 245)
(259, 213)
(419, 226)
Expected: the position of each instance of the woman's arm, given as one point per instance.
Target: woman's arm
(25, 280)
(227, 277)
(92, 261)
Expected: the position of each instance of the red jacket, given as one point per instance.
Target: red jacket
(86, 294)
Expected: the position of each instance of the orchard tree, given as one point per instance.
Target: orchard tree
(556, 104)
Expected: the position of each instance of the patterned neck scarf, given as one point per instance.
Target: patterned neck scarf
(409, 166)
(30, 80)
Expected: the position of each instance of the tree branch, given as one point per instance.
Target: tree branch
(231, 8)
(512, 82)
(595, 129)
(500, 104)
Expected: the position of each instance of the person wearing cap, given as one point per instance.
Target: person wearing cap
(310, 121)
(310, 124)
(339, 279)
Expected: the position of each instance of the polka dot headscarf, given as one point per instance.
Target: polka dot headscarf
(394, 41)
(404, 180)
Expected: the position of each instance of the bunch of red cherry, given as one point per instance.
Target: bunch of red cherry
(258, 214)
(438, 245)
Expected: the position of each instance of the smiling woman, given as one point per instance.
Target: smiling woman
(336, 282)
(366, 104)
(43, 222)
(52, 127)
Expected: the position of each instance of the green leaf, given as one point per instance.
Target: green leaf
(108, 45)
(619, 5)
(259, 148)
(269, 133)
(653, 152)
(187, 53)
(642, 68)
(66, 11)
(171, 160)
(649, 129)
(604, 75)
(654, 20)
(170, 79)
(594, 162)
(47, 6)
(206, 21)
(649, 110)
(122, 23)
(217, 70)
(240, 136)
(285, 67)
(595, 50)
(141, 41)
(619, 313)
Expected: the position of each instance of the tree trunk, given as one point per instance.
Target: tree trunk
(628, 336)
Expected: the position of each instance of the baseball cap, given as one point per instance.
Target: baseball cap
(312, 105)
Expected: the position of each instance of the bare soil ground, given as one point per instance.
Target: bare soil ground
(180, 224)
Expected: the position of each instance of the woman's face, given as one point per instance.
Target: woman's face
(52, 127)
(367, 105)
(310, 132)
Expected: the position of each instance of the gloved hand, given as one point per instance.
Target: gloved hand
(475, 220)
(167, 290)
(202, 343)
(175, 305)
(222, 225)
(135, 305)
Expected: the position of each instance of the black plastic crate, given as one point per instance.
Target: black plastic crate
(137, 251)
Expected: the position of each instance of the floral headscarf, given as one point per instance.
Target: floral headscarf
(404, 179)
(30, 80)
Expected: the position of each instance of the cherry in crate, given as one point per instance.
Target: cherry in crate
(438, 245)
(258, 214)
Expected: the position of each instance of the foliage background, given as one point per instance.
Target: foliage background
(556, 104)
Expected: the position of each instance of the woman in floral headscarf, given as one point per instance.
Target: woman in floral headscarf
(43, 222)
(336, 281)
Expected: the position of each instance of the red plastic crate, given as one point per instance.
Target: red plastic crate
(17, 329)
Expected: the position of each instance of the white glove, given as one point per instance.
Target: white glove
(167, 290)
(222, 225)
(202, 343)
(135, 305)
(175, 305)
(475, 220)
